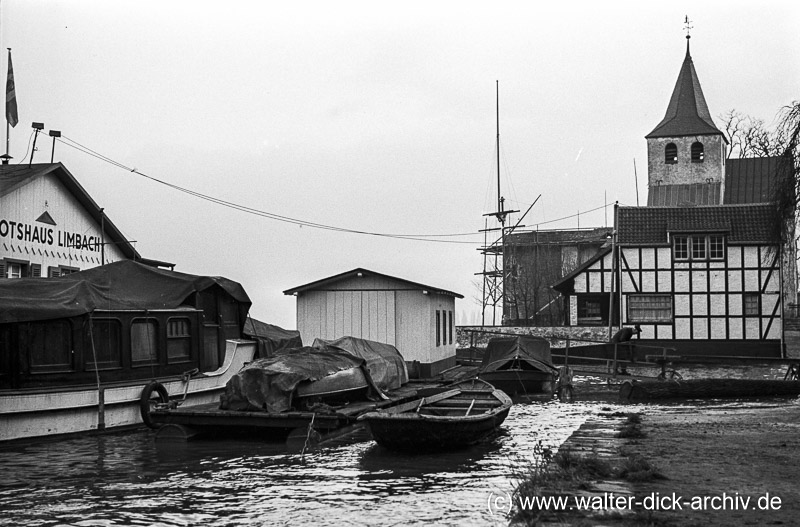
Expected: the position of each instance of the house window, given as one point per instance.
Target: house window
(698, 153)
(179, 340)
(698, 247)
(144, 341)
(438, 327)
(681, 244)
(590, 311)
(671, 154)
(716, 247)
(107, 340)
(649, 308)
(751, 304)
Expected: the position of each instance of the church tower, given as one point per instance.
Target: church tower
(686, 152)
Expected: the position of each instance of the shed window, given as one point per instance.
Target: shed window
(649, 308)
(698, 153)
(671, 154)
(452, 325)
(438, 327)
(144, 341)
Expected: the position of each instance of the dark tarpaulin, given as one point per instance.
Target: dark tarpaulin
(502, 350)
(116, 286)
(268, 384)
(385, 364)
(270, 338)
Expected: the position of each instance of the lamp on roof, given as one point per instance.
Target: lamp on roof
(38, 127)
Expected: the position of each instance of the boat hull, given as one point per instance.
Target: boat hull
(341, 384)
(520, 382)
(464, 414)
(72, 410)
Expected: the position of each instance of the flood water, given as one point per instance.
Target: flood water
(129, 479)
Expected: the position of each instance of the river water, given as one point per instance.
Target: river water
(129, 479)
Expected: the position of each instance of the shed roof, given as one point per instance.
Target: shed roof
(13, 177)
(360, 271)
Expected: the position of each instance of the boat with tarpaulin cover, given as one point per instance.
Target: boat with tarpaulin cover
(519, 365)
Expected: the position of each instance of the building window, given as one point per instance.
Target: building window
(649, 308)
(61, 270)
(681, 247)
(698, 153)
(144, 341)
(179, 340)
(716, 247)
(751, 304)
(590, 311)
(107, 340)
(438, 327)
(671, 154)
(698, 247)
(452, 325)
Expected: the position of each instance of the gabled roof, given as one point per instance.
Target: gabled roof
(13, 177)
(742, 224)
(687, 112)
(322, 284)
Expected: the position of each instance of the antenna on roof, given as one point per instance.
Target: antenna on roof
(54, 134)
(38, 127)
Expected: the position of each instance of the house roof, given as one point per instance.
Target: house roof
(753, 180)
(565, 285)
(559, 236)
(752, 223)
(685, 194)
(13, 177)
(323, 283)
(687, 112)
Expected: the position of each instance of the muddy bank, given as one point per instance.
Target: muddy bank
(723, 462)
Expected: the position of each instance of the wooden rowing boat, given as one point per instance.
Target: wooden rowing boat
(461, 415)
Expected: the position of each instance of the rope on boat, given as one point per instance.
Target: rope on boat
(308, 436)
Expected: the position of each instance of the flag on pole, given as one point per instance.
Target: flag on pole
(11, 96)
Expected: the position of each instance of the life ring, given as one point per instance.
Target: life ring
(146, 400)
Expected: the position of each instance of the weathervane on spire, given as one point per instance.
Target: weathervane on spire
(687, 26)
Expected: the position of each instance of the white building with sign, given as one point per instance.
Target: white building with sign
(50, 226)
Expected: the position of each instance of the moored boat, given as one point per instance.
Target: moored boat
(94, 350)
(462, 414)
(519, 365)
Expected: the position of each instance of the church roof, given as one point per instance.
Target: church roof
(687, 113)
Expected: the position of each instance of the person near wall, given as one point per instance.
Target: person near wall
(625, 335)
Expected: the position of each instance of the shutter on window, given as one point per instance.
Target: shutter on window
(36, 270)
(2, 270)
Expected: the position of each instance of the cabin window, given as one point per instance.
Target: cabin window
(649, 308)
(61, 270)
(49, 346)
(15, 269)
(36, 270)
(179, 340)
(144, 341)
(698, 153)
(751, 304)
(671, 154)
(438, 327)
(107, 335)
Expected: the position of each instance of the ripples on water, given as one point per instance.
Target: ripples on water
(127, 479)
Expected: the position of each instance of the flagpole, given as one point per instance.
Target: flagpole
(8, 128)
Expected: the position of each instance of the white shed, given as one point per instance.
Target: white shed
(415, 318)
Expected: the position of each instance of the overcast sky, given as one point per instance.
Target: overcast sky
(370, 116)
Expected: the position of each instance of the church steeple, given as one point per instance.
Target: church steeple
(687, 112)
(686, 151)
